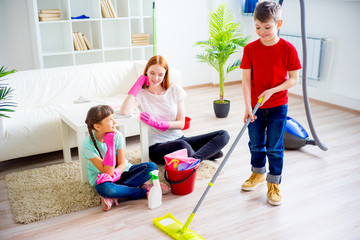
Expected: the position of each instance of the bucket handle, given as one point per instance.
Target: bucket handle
(172, 182)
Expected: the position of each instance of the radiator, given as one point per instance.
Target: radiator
(314, 53)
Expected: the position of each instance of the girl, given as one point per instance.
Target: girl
(163, 109)
(109, 172)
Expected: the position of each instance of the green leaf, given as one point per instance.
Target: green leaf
(3, 71)
(6, 94)
(225, 40)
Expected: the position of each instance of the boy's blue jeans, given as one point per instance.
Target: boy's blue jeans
(266, 135)
(129, 184)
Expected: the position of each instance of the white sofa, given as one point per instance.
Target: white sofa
(34, 127)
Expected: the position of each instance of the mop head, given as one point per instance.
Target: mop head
(172, 227)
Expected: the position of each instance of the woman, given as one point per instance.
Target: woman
(163, 109)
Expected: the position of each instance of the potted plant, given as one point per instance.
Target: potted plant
(5, 94)
(225, 39)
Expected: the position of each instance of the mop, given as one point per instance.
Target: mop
(175, 229)
(153, 22)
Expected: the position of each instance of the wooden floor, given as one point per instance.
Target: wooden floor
(321, 190)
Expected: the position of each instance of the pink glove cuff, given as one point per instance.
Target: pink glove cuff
(134, 90)
(104, 177)
(110, 157)
(151, 121)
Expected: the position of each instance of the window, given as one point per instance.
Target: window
(249, 6)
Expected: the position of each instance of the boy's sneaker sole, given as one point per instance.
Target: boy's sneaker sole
(252, 188)
(273, 203)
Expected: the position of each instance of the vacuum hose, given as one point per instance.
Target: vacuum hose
(304, 82)
(304, 79)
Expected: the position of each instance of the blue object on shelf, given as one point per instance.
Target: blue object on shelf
(80, 17)
(249, 6)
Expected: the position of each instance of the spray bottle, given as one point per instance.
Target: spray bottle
(155, 195)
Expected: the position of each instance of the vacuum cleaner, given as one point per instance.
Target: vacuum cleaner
(295, 135)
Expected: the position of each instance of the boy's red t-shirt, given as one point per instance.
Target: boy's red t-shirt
(269, 68)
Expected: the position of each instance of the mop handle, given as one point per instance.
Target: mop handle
(153, 19)
(211, 183)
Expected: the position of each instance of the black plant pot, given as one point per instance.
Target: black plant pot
(221, 109)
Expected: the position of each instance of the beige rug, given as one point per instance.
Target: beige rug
(55, 190)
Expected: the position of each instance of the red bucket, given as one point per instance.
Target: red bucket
(181, 182)
(187, 123)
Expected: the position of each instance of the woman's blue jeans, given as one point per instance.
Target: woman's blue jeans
(129, 184)
(200, 147)
(266, 135)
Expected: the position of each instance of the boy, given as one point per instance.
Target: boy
(270, 67)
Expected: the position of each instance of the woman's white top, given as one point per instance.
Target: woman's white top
(162, 107)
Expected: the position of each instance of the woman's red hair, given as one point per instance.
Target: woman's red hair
(158, 59)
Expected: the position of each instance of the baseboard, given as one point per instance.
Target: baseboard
(212, 85)
(312, 100)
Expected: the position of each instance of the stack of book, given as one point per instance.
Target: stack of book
(49, 15)
(140, 39)
(107, 9)
(80, 42)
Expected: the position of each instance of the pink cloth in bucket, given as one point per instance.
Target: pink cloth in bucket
(174, 159)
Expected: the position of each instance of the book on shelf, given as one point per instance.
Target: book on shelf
(50, 11)
(140, 39)
(140, 35)
(140, 44)
(87, 43)
(46, 19)
(49, 15)
(76, 42)
(107, 9)
(104, 11)
(80, 42)
(111, 7)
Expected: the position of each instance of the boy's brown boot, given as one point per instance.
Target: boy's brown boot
(273, 194)
(254, 180)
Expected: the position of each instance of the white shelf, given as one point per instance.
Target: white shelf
(110, 38)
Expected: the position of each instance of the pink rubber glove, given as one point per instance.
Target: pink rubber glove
(104, 177)
(151, 121)
(138, 85)
(110, 158)
(117, 174)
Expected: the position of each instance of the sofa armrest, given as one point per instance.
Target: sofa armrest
(175, 76)
(2, 131)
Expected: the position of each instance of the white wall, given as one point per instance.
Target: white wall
(338, 22)
(15, 41)
(181, 23)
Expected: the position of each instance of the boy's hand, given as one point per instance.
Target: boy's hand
(248, 113)
(266, 94)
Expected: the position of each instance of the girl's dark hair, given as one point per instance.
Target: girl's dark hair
(158, 59)
(267, 10)
(94, 116)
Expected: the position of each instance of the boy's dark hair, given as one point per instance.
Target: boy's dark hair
(266, 11)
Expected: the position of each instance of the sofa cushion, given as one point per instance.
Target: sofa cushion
(42, 87)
